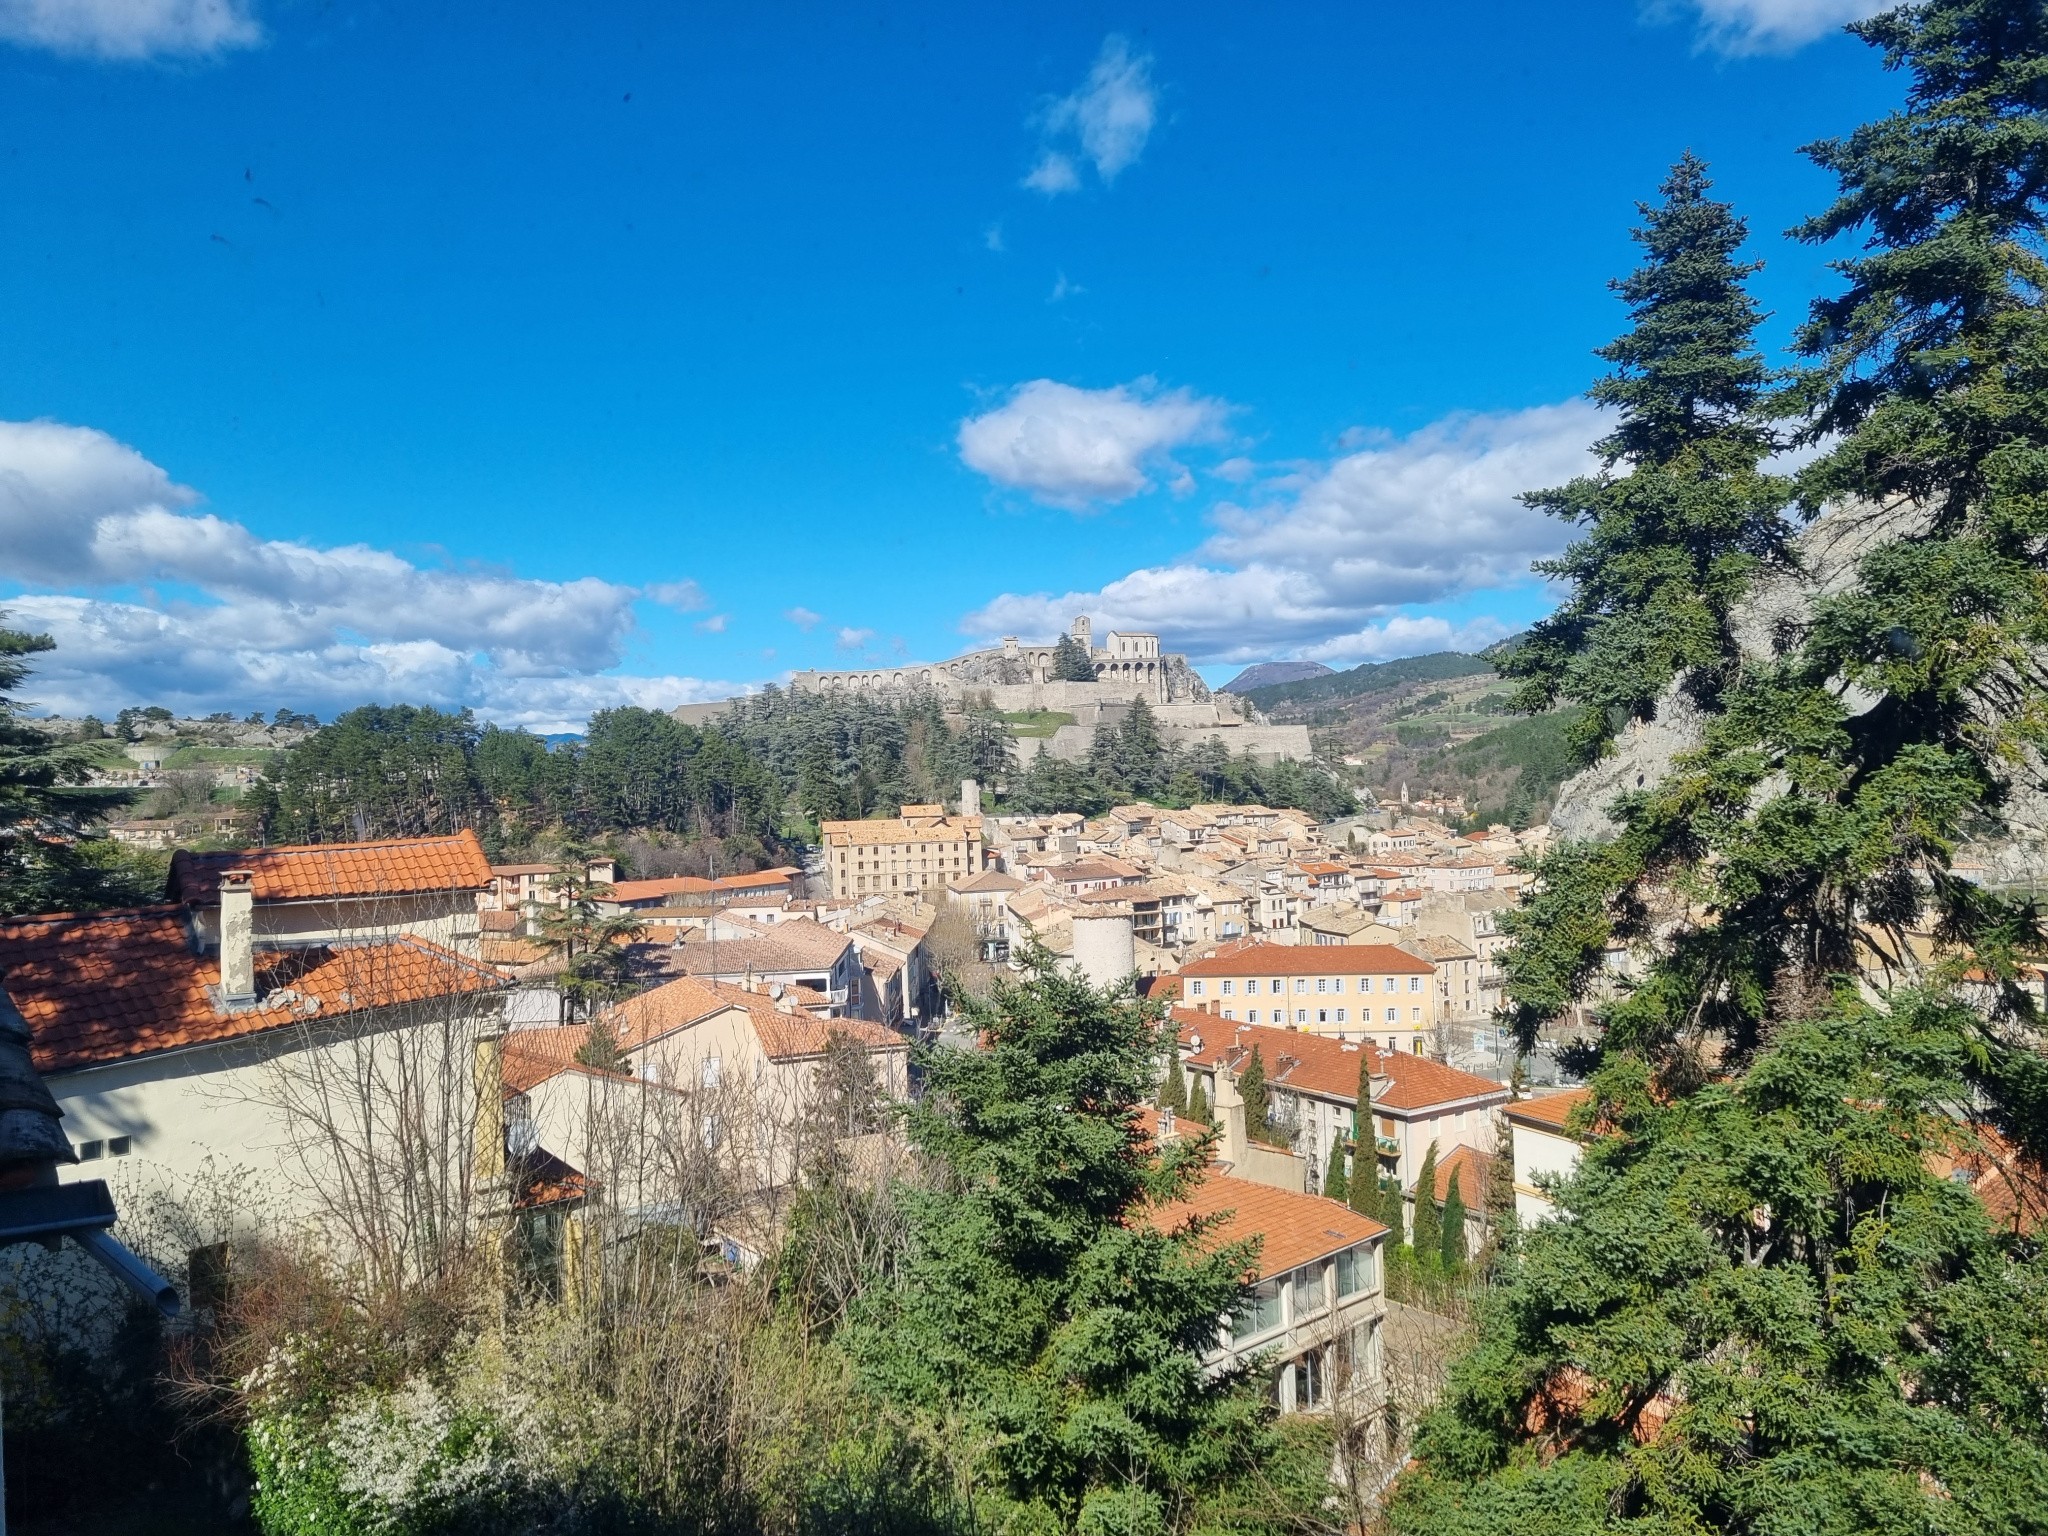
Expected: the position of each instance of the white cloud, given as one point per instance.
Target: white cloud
(130, 29)
(276, 621)
(1053, 175)
(992, 238)
(683, 596)
(850, 639)
(803, 618)
(1071, 446)
(1322, 568)
(715, 625)
(1062, 289)
(1109, 118)
(1739, 27)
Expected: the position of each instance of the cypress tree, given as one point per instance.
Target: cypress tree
(1251, 1087)
(1429, 1228)
(1173, 1091)
(1335, 1185)
(1769, 1257)
(1453, 1246)
(1364, 1193)
(1198, 1104)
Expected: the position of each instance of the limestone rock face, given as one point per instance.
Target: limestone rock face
(1768, 623)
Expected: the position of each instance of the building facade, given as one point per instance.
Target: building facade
(918, 853)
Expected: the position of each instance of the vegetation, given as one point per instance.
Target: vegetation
(45, 864)
(1768, 1301)
(1371, 677)
(1070, 663)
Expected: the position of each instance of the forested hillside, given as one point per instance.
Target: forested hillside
(750, 785)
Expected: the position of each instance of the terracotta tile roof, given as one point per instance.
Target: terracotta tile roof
(540, 1179)
(766, 881)
(917, 829)
(988, 880)
(1311, 959)
(393, 867)
(1327, 1067)
(532, 1056)
(1549, 1111)
(499, 950)
(662, 1010)
(797, 945)
(1293, 1229)
(1473, 1169)
(107, 986)
(788, 1036)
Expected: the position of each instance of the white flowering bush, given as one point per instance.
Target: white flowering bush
(410, 1462)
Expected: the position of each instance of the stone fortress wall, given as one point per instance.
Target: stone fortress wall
(1128, 666)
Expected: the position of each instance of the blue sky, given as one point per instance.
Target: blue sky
(540, 358)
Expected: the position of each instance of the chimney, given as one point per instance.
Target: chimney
(238, 937)
(1229, 1109)
(1169, 1129)
(970, 798)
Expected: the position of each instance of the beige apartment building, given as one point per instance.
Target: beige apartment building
(1367, 992)
(918, 853)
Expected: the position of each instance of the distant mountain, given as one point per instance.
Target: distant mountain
(1268, 673)
(1372, 677)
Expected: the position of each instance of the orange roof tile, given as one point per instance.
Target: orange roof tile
(309, 872)
(107, 986)
(1311, 959)
(1551, 1110)
(1473, 1168)
(1293, 1229)
(532, 1056)
(1328, 1067)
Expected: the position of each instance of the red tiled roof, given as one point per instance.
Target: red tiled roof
(1311, 959)
(1294, 1229)
(1473, 1168)
(799, 1033)
(106, 986)
(532, 1056)
(1551, 1110)
(393, 867)
(1328, 1067)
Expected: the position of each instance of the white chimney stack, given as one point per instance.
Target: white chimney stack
(237, 937)
(970, 798)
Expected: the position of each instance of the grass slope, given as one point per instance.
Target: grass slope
(1371, 677)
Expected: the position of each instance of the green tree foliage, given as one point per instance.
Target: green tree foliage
(379, 771)
(1838, 1336)
(1765, 1301)
(1126, 762)
(1198, 1104)
(1336, 1186)
(1428, 1237)
(1453, 1243)
(1173, 1088)
(1681, 512)
(1363, 1192)
(45, 865)
(1052, 1330)
(591, 943)
(1258, 1106)
(1070, 663)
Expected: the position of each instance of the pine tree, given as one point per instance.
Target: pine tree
(1680, 514)
(1453, 1242)
(1070, 663)
(42, 868)
(1251, 1087)
(1198, 1104)
(1335, 1185)
(1428, 1237)
(1056, 1332)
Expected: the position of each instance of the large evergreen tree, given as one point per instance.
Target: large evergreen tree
(1767, 1306)
(1681, 512)
(1042, 1326)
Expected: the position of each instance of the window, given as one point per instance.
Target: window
(1414, 983)
(1393, 1015)
(1301, 1015)
(1301, 983)
(1252, 1017)
(1322, 1015)
(1354, 1271)
(120, 1146)
(1226, 989)
(1309, 1380)
(1231, 1014)
(1308, 1297)
(1392, 985)
(1415, 1015)
(91, 1151)
(1340, 1015)
(1260, 1312)
(1194, 989)
(712, 1071)
(1321, 984)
